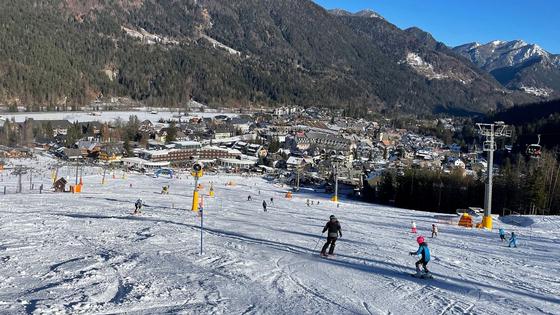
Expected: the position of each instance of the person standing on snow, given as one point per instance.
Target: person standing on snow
(249, 198)
(264, 205)
(502, 234)
(424, 251)
(138, 206)
(513, 240)
(434, 230)
(334, 230)
(271, 200)
(413, 227)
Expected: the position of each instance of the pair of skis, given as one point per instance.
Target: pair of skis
(422, 275)
(327, 256)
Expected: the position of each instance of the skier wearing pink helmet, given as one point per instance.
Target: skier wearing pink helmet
(424, 251)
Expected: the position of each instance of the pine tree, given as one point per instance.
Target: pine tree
(171, 133)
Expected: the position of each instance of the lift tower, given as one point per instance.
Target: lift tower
(491, 131)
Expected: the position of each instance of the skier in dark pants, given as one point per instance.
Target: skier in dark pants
(264, 205)
(333, 228)
(138, 206)
(424, 251)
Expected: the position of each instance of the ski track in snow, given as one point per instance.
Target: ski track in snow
(87, 254)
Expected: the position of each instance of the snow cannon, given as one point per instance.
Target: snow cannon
(211, 192)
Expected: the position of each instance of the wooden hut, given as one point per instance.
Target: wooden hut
(60, 185)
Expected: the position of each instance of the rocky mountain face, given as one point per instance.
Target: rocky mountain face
(235, 53)
(517, 65)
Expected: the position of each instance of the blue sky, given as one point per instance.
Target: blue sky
(456, 22)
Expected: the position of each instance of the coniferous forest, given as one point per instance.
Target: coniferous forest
(61, 54)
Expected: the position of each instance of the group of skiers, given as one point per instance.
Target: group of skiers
(512, 238)
(334, 231)
(264, 204)
(311, 202)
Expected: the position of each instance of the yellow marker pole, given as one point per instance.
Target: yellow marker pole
(211, 191)
(487, 222)
(195, 200)
(335, 197)
(197, 173)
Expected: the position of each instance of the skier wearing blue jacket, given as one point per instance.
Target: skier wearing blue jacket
(513, 240)
(502, 234)
(424, 251)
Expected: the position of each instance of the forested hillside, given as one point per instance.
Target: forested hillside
(69, 52)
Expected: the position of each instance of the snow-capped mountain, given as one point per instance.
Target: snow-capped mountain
(517, 65)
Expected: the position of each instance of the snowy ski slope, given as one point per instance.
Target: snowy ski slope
(86, 253)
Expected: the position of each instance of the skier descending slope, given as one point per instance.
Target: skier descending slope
(138, 206)
(264, 205)
(502, 234)
(333, 228)
(434, 230)
(513, 240)
(424, 251)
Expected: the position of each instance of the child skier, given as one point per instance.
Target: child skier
(264, 205)
(513, 240)
(424, 251)
(434, 230)
(333, 228)
(138, 206)
(413, 227)
(165, 190)
(502, 234)
(249, 198)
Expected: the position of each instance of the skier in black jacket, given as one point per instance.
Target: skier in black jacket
(333, 228)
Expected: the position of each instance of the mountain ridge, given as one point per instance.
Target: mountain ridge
(234, 53)
(517, 65)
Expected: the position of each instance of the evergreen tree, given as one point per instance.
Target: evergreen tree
(171, 133)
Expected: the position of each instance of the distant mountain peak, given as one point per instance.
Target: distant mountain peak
(367, 13)
(340, 12)
(517, 65)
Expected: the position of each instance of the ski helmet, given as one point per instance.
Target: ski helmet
(332, 217)
(420, 239)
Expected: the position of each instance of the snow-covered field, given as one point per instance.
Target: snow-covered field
(105, 116)
(86, 253)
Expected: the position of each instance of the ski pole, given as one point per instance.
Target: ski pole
(318, 240)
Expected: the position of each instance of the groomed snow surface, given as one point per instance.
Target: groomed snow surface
(86, 253)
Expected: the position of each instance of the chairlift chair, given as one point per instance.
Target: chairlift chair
(534, 150)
